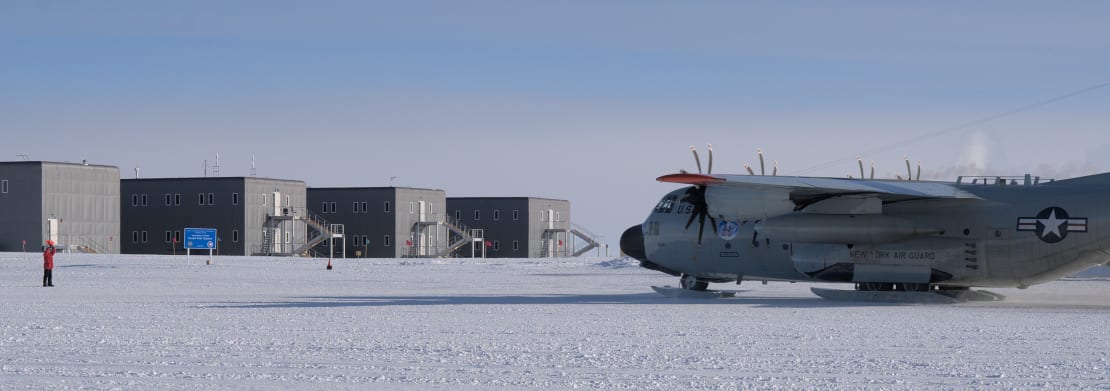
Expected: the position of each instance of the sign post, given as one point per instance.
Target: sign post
(200, 238)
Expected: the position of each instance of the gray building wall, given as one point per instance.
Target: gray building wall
(365, 215)
(83, 198)
(235, 206)
(506, 220)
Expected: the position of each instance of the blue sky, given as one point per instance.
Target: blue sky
(587, 101)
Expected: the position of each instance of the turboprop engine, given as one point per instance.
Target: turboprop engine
(846, 229)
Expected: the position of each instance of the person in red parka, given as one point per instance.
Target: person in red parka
(48, 264)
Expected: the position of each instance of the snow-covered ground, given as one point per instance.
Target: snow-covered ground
(142, 322)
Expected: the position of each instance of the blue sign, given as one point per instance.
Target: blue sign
(200, 238)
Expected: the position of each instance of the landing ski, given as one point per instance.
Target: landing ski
(671, 291)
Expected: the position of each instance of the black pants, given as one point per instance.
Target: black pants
(47, 277)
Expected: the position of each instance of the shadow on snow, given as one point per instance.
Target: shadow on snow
(563, 299)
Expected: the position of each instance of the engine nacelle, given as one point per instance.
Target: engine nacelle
(845, 229)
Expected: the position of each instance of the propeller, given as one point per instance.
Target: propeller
(695, 196)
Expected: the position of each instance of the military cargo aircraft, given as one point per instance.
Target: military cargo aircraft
(895, 240)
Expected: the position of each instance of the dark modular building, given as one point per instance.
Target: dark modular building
(252, 216)
(75, 205)
(384, 222)
(520, 227)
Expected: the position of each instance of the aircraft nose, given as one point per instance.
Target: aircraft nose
(632, 242)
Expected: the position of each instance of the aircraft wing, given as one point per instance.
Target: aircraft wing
(805, 189)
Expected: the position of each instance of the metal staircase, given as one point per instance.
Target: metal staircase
(318, 231)
(590, 238)
(570, 246)
(458, 235)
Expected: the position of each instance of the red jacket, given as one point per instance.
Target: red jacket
(48, 258)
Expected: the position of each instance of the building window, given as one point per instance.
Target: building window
(177, 236)
(263, 199)
(516, 214)
(288, 237)
(496, 245)
(386, 242)
(200, 198)
(516, 245)
(4, 186)
(235, 198)
(169, 199)
(235, 236)
(557, 217)
(332, 207)
(324, 207)
(363, 206)
(458, 214)
(168, 237)
(496, 214)
(354, 207)
(134, 200)
(144, 200)
(177, 199)
(477, 215)
(145, 236)
(543, 216)
(290, 203)
(211, 199)
(387, 207)
(411, 207)
(134, 236)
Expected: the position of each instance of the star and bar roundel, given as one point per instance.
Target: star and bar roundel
(1052, 224)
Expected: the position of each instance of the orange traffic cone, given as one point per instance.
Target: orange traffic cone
(329, 264)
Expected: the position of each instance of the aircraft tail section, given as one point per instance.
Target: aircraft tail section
(1096, 179)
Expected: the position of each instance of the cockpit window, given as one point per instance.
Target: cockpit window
(666, 205)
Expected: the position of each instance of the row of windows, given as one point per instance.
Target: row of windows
(496, 214)
(172, 236)
(497, 245)
(175, 199)
(361, 207)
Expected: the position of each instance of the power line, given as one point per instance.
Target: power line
(962, 126)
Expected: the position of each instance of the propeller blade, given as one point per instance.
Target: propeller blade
(872, 169)
(762, 169)
(749, 168)
(918, 170)
(775, 169)
(909, 173)
(860, 161)
(696, 158)
(710, 148)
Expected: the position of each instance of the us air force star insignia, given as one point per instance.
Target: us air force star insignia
(1052, 224)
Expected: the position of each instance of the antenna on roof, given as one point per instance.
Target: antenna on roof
(136, 173)
(254, 170)
(23, 156)
(205, 167)
(216, 168)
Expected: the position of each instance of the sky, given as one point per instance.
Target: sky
(587, 101)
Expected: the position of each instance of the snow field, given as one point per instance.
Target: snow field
(142, 322)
